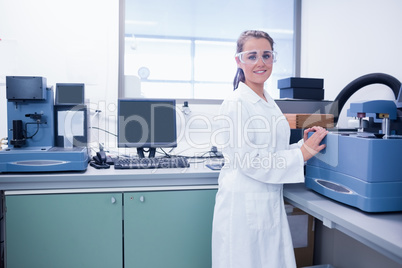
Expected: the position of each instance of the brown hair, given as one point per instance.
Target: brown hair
(243, 38)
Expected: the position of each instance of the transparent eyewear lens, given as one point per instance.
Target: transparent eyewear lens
(252, 57)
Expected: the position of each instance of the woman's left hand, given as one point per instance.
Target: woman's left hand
(312, 146)
(311, 129)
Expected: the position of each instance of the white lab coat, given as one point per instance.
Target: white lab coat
(250, 227)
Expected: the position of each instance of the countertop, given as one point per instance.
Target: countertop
(380, 231)
(197, 174)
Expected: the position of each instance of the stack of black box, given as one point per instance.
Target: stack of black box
(301, 88)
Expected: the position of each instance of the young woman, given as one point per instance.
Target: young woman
(250, 227)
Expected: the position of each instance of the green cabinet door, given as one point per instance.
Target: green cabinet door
(64, 230)
(169, 229)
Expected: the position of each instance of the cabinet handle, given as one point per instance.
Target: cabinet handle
(142, 199)
(113, 200)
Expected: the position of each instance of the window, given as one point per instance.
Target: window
(185, 49)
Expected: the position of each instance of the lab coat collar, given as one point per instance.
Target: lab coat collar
(252, 96)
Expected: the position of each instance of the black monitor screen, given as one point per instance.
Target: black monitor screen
(149, 123)
(69, 94)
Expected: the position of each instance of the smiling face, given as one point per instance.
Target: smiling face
(256, 74)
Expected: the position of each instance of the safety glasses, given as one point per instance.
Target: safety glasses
(252, 56)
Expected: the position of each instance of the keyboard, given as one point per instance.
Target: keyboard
(154, 162)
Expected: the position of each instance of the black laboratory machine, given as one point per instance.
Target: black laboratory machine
(42, 135)
(362, 167)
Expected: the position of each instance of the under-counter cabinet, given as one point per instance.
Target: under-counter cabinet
(169, 229)
(64, 230)
(149, 229)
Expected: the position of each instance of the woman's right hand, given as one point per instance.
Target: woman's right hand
(312, 145)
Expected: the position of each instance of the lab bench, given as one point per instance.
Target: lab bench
(104, 218)
(109, 218)
(381, 232)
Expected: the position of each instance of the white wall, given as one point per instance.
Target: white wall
(64, 41)
(343, 40)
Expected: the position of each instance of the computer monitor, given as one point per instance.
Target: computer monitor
(146, 123)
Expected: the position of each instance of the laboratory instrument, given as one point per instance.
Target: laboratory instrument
(31, 130)
(361, 167)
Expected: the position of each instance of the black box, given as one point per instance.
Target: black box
(297, 82)
(302, 93)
